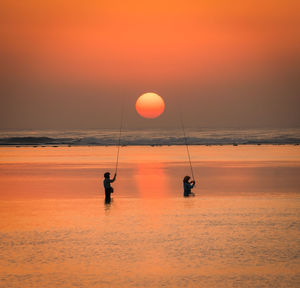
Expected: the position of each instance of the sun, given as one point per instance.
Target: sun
(150, 105)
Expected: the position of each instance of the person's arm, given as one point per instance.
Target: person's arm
(189, 185)
(113, 180)
(193, 183)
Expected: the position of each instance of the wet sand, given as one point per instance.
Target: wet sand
(241, 230)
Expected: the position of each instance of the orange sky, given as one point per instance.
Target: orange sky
(147, 45)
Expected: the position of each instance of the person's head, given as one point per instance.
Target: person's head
(106, 175)
(186, 179)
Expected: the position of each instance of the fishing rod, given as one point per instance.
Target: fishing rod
(187, 146)
(120, 133)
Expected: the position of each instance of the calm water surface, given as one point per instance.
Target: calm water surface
(242, 229)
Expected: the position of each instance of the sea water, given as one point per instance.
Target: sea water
(241, 230)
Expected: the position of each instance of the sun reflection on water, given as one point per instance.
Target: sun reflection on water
(152, 181)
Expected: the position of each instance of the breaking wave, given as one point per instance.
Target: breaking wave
(151, 137)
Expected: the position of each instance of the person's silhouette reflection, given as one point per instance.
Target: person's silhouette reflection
(107, 206)
(187, 186)
(107, 186)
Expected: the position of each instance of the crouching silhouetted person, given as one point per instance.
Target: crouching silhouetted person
(187, 186)
(107, 186)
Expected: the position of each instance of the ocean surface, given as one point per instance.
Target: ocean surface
(242, 229)
(151, 137)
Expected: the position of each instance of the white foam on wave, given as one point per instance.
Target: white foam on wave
(151, 137)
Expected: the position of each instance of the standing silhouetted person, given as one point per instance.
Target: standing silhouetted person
(187, 186)
(107, 187)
